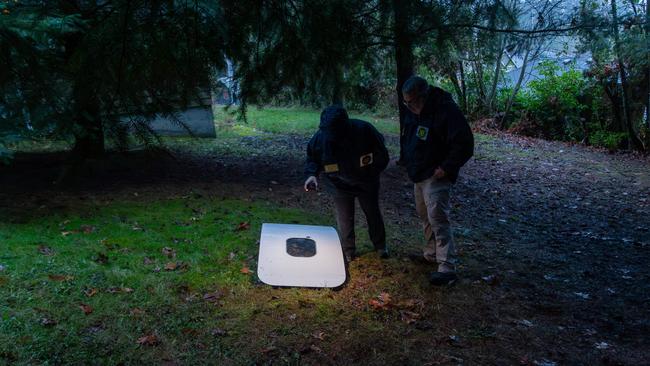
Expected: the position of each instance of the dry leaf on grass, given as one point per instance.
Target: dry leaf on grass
(59, 278)
(47, 322)
(137, 312)
(243, 226)
(117, 290)
(382, 302)
(45, 250)
(87, 309)
(246, 270)
(90, 292)
(269, 349)
(409, 317)
(169, 252)
(171, 266)
(213, 296)
(87, 229)
(149, 340)
(218, 332)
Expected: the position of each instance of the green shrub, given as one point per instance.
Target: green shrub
(607, 139)
(554, 102)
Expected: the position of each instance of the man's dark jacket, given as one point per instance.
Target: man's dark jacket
(438, 137)
(353, 159)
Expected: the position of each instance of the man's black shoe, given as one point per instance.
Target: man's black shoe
(382, 253)
(442, 278)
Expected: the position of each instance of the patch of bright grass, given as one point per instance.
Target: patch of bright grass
(112, 258)
(300, 121)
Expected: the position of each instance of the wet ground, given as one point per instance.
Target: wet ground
(554, 239)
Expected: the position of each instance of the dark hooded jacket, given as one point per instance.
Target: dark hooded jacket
(350, 152)
(438, 137)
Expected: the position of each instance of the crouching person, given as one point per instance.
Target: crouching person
(350, 155)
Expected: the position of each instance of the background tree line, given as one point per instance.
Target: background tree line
(95, 71)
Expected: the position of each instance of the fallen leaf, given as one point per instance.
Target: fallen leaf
(87, 229)
(243, 226)
(47, 322)
(66, 233)
(169, 252)
(218, 332)
(410, 304)
(527, 323)
(117, 290)
(315, 349)
(602, 345)
(87, 309)
(171, 266)
(149, 340)
(319, 335)
(60, 277)
(245, 270)
(45, 250)
(409, 317)
(382, 302)
(147, 261)
(90, 292)
(213, 296)
(137, 312)
(269, 349)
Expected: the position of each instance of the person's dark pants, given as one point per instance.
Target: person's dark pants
(369, 202)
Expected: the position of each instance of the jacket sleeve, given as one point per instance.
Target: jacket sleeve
(380, 152)
(460, 141)
(313, 164)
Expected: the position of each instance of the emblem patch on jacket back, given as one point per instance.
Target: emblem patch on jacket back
(422, 132)
(365, 160)
(331, 168)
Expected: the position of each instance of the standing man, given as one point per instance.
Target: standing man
(352, 155)
(437, 142)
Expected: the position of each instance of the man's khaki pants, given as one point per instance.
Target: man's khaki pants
(432, 204)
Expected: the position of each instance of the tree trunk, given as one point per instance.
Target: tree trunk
(495, 82)
(337, 93)
(463, 86)
(478, 73)
(613, 98)
(515, 90)
(88, 131)
(635, 142)
(647, 69)
(403, 56)
(456, 83)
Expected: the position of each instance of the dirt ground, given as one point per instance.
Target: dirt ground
(554, 239)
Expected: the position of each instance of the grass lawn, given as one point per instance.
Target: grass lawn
(155, 280)
(89, 282)
(150, 258)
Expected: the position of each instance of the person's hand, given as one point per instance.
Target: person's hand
(439, 173)
(311, 184)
